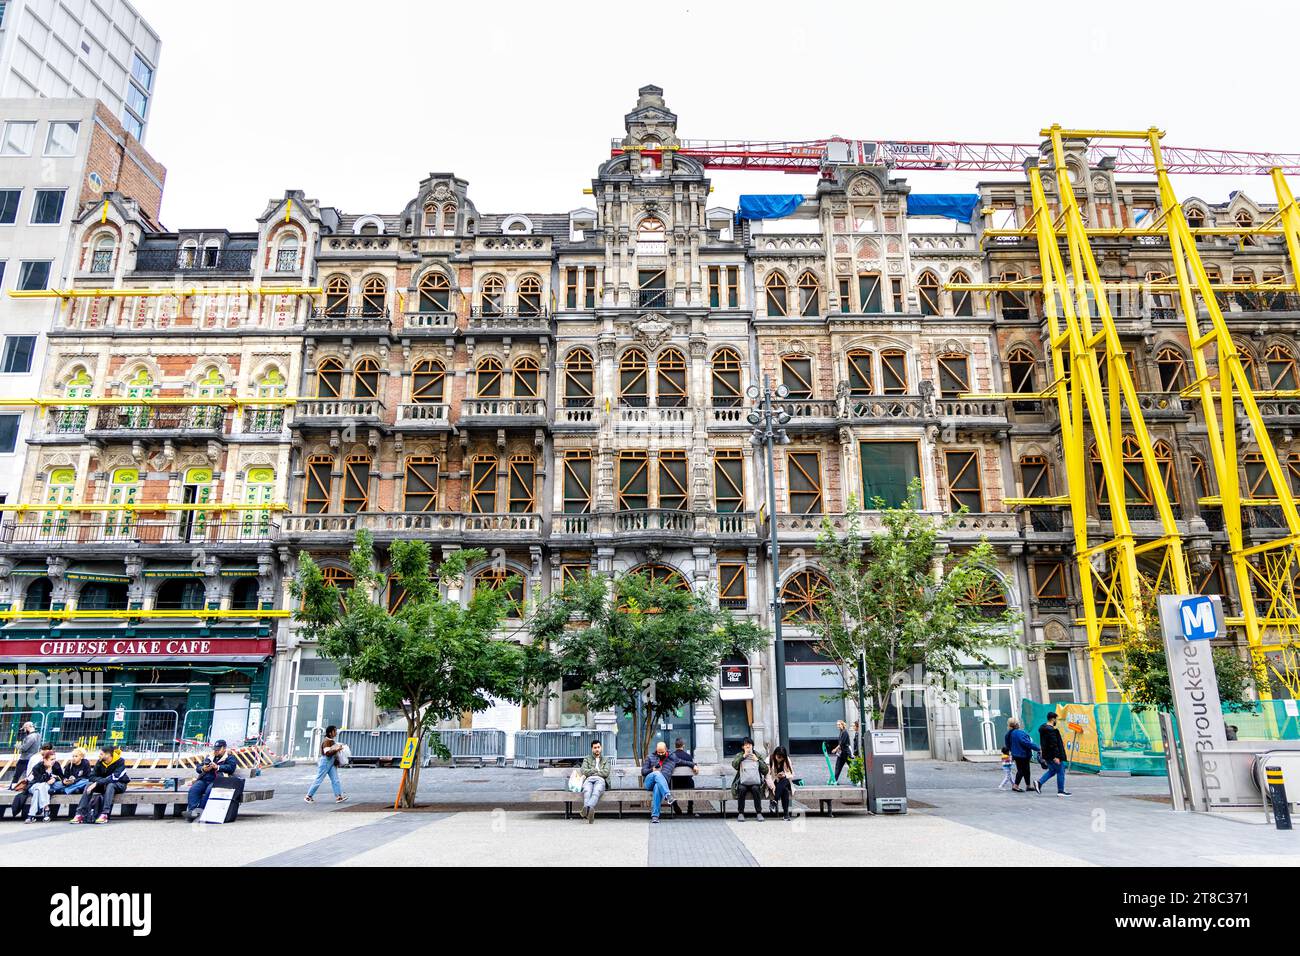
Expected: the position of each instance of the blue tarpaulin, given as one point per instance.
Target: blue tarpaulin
(959, 206)
(767, 207)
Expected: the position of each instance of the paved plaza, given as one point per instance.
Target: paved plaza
(471, 816)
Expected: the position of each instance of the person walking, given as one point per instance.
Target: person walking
(1007, 767)
(780, 780)
(843, 749)
(595, 779)
(751, 769)
(1021, 747)
(1054, 753)
(327, 765)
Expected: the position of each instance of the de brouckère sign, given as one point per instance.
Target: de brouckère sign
(1188, 623)
(125, 650)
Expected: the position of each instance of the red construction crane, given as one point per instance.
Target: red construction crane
(812, 156)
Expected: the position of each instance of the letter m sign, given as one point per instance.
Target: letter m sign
(1196, 614)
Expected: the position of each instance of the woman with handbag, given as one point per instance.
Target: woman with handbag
(327, 765)
(780, 780)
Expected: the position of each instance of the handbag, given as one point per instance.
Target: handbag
(344, 756)
(575, 781)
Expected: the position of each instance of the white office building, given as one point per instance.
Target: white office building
(100, 49)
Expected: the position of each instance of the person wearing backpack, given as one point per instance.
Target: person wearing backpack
(751, 771)
(327, 766)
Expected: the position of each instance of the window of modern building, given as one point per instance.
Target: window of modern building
(17, 355)
(47, 209)
(9, 199)
(804, 474)
(888, 469)
(18, 138)
(964, 489)
(132, 124)
(34, 275)
(141, 71)
(633, 481)
(9, 433)
(61, 138)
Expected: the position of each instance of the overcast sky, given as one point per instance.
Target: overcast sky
(356, 102)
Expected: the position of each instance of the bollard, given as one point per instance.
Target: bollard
(1277, 795)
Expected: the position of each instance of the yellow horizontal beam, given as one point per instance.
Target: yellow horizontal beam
(76, 403)
(1103, 133)
(145, 507)
(1111, 232)
(1036, 285)
(159, 291)
(151, 614)
(1053, 500)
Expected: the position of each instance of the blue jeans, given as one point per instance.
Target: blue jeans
(1056, 770)
(325, 767)
(75, 787)
(657, 783)
(197, 798)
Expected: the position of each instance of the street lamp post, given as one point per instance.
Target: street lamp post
(769, 421)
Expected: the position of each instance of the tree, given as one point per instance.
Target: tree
(1143, 673)
(640, 640)
(887, 602)
(433, 658)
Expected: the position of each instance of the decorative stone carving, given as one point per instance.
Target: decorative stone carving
(652, 331)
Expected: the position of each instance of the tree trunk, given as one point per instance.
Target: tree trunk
(411, 778)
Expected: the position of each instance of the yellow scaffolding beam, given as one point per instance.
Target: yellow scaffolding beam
(225, 401)
(152, 291)
(151, 614)
(145, 506)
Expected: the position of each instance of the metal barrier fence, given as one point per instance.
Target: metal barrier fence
(536, 747)
(373, 744)
(136, 731)
(11, 722)
(474, 746)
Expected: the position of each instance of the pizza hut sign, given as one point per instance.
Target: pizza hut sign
(735, 675)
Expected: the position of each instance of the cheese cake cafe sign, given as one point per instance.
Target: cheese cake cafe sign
(123, 650)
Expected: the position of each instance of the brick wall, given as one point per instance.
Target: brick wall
(123, 164)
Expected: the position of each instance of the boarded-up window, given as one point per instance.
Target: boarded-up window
(523, 471)
(319, 478)
(861, 373)
(435, 293)
(483, 485)
(356, 483)
(954, 375)
(729, 481)
(1022, 367)
(796, 375)
(526, 371)
(1172, 368)
(893, 372)
(672, 480)
(778, 293)
(802, 595)
(671, 383)
(964, 480)
(726, 378)
(336, 296)
(963, 303)
(374, 296)
(732, 590)
(488, 378)
(421, 484)
(427, 380)
(805, 478)
(869, 292)
(632, 385)
(365, 379)
(577, 482)
(927, 292)
(578, 380)
(809, 294)
(1035, 476)
(633, 481)
(329, 379)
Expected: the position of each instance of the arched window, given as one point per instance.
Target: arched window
(435, 293)
(726, 378)
(1013, 302)
(1172, 368)
(777, 295)
(38, 595)
(356, 483)
(483, 485)
(1022, 369)
(60, 489)
(530, 296)
(662, 574)
(244, 595)
(651, 237)
(632, 387)
(431, 219)
(809, 294)
(421, 477)
(487, 378)
(802, 595)
(1195, 217)
(79, 385)
(449, 219)
(927, 290)
(286, 257)
(1136, 489)
(963, 304)
(329, 378)
(893, 372)
(365, 379)
(1165, 464)
(1035, 476)
(340, 578)
(525, 373)
(101, 257)
(374, 296)
(337, 291)
(987, 598)
(259, 491)
(493, 298)
(1245, 220)
(180, 594)
(427, 379)
(189, 254)
(861, 373)
(102, 597)
(671, 384)
(578, 380)
(497, 577)
(1281, 368)
(123, 489)
(1248, 366)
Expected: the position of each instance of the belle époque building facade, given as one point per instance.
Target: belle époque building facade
(568, 392)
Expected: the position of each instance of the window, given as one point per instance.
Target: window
(497, 578)
(1013, 302)
(732, 591)
(487, 378)
(796, 375)
(137, 100)
(61, 138)
(1049, 582)
(729, 481)
(589, 287)
(888, 469)
(435, 293)
(1060, 685)
(672, 480)
(1244, 219)
(571, 288)
(577, 482)
(651, 237)
(530, 296)
(1021, 367)
(356, 484)
(1172, 368)
(1281, 367)
(244, 595)
(340, 578)
(9, 199)
(525, 372)
(365, 379)
(964, 481)
(211, 253)
(102, 597)
(809, 294)
(47, 210)
(777, 295)
(652, 292)
(521, 492)
(38, 595)
(141, 71)
(177, 594)
(927, 289)
(662, 574)
(318, 480)
(1248, 366)
(715, 287)
(896, 293)
(962, 302)
(1035, 477)
(420, 491)
(449, 219)
(374, 295)
(18, 138)
(336, 295)
(954, 375)
(805, 480)
(578, 380)
(483, 485)
(132, 125)
(733, 287)
(802, 595)
(632, 386)
(101, 257)
(726, 378)
(427, 380)
(860, 372)
(286, 258)
(329, 379)
(869, 292)
(493, 298)
(633, 481)
(671, 384)
(893, 371)
(9, 433)
(1136, 490)
(845, 302)
(34, 276)
(18, 351)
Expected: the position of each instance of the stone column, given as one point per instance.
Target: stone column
(706, 744)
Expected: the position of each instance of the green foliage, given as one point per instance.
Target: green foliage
(887, 603)
(433, 658)
(637, 640)
(857, 770)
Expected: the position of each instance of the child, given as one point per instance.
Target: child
(1007, 768)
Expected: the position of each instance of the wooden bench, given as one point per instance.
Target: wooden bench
(825, 797)
(136, 796)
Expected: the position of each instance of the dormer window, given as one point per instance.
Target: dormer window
(517, 227)
(188, 255)
(211, 251)
(101, 259)
(286, 259)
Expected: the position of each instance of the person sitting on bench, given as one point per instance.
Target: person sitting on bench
(76, 774)
(221, 762)
(44, 771)
(656, 771)
(107, 779)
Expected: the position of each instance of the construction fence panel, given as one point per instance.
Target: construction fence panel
(479, 746)
(533, 748)
(11, 724)
(135, 732)
(373, 745)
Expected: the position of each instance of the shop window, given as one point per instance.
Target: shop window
(805, 482)
(726, 378)
(729, 481)
(577, 482)
(888, 469)
(964, 489)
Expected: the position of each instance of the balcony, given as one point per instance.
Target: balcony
(263, 421)
(811, 415)
(652, 298)
(576, 417)
(501, 412)
(1280, 413)
(1160, 406)
(523, 524)
(387, 525)
(53, 531)
(335, 411)
(348, 322)
(431, 323)
(171, 261)
(422, 417)
(973, 414)
(729, 418)
(627, 415)
(993, 525)
(506, 321)
(654, 524)
(889, 409)
(157, 421)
